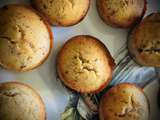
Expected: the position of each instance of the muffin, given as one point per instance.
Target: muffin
(144, 42)
(84, 64)
(63, 12)
(121, 13)
(20, 102)
(124, 102)
(25, 38)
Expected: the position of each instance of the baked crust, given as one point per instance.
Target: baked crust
(121, 13)
(20, 101)
(84, 64)
(63, 12)
(26, 38)
(144, 43)
(124, 102)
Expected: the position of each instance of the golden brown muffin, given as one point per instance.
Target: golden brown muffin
(121, 13)
(85, 64)
(20, 102)
(124, 102)
(25, 38)
(63, 12)
(144, 42)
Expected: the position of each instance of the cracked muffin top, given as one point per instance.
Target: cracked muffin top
(20, 102)
(84, 64)
(121, 13)
(124, 102)
(144, 42)
(25, 38)
(63, 12)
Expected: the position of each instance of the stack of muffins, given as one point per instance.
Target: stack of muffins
(84, 63)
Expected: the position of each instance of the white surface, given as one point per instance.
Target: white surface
(43, 79)
(151, 91)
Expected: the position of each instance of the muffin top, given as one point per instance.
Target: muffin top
(124, 102)
(144, 43)
(25, 38)
(20, 102)
(85, 64)
(63, 12)
(121, 13)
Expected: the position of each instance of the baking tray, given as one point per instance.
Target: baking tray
(45, 80)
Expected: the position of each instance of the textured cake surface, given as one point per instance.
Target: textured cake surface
(121, 13)
(124, 102)
(20, 102)
(25, 39)
(85, 64)
(144, 42)
(63, 12)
